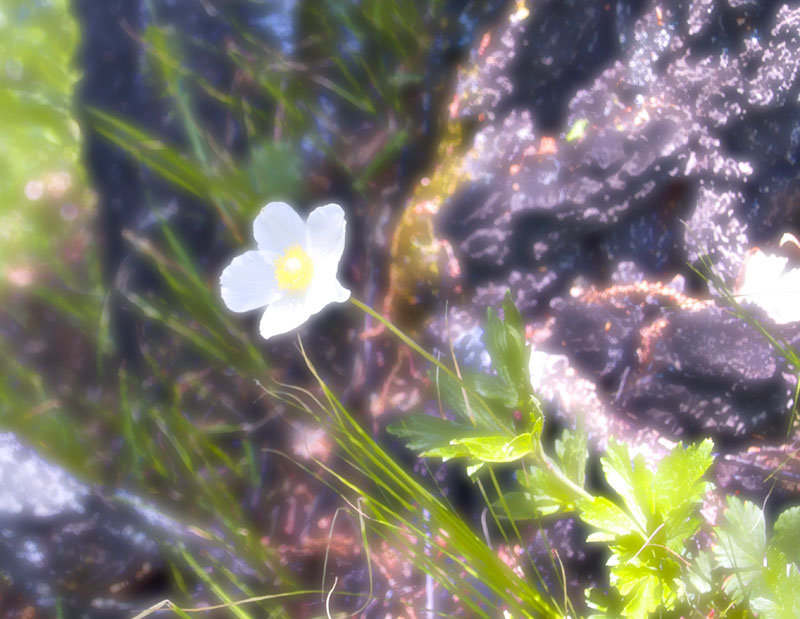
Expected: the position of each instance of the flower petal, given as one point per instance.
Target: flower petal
(768, 285)
(325, 232)
(277, 227)
(325, 289)
(248, 282)
(286, 313)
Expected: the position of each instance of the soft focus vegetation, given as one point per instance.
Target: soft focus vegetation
(42, 187)
(181, 426)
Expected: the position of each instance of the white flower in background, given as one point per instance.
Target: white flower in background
(766, 283)
(293, 271)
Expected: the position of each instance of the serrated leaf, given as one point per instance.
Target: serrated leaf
(494, 388)
(632, 480)
(496, 448)
(446, 452)
(741, 542)
(572, 452)
(518, 352)
(546, 494)
(513, 318)
(779, 595)
(602, 514)
(678, 480)
(664, 574)
(467, 409)
(425, 432)
(642, 597)
(786, 534)
(505, 342)
(494, 338)
(679, 527)
(700, 572)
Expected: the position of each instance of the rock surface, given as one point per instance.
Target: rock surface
(613, 151)
(66, 545)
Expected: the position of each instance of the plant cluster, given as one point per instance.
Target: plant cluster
(661, 557)
(174, 428)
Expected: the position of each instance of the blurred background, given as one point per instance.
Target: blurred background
(139, 140)
(583, 156)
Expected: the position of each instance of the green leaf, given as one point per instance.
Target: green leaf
(496, 448)
(657, 518)
(495, 341)
(741, 542)
(572, 453)
(546, 494)
(505, 342)
(494, 388)
(606, 602)
(514, 324)
(632, 481)
(779, 596)
(472, 469)
(606, 516)
(446, 452)
(700, 577)
(645, 588)
(786, 534)
(466, 407)
(425, 432)
(679, 489)
(642, 591)
(678, 478)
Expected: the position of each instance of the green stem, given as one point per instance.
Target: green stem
(427, 356)
(555, 472)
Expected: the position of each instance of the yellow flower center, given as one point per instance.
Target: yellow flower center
(294, 269)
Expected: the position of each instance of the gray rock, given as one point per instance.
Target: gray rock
(33, 488)
(678, 126)
(67, 544)
(676, 141)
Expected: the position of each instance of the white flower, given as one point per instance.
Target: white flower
(767, 283)
(293, 271)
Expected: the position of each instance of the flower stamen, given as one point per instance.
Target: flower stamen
(294, 269)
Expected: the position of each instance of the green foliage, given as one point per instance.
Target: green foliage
(543, 491)
(483, 411)
(779, 597)
(541, 494)
(487, 402)
(275, 169)
(746, 572)
(647, 538)
(505, 341)
(40, 141)
(484, 449)
(572, 454)
(143, 433)
(656, 561)
(496, 448)
(394, 499)
(425, 432)
(786, 534)
(741, 543)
